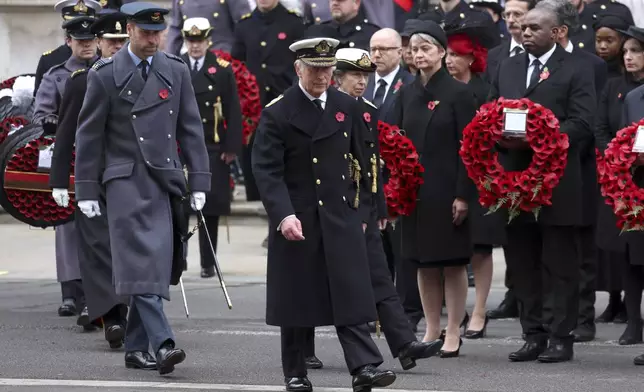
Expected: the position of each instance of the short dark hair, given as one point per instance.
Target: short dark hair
(567, 14)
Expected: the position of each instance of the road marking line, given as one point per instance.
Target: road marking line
(23, 382)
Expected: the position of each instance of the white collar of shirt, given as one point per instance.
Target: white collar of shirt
(312, 98)
(543, 60)
(137, 60)
(199, 61)
(514, 44)
(569, 48)
(389, 79)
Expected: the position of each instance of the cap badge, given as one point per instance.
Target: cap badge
(80, 6)
(85, 25)
(118, 27)
(323, 47)
(195, 30)
(103, 3)
(364, 61)
(156, 17)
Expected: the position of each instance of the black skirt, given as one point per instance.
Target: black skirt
(610, 267)
(443, 263)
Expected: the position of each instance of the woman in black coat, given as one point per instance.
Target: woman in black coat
(466, 61)
(620, 256)
(609, 41)
(433, 111)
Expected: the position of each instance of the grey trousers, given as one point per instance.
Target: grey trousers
(147, 325)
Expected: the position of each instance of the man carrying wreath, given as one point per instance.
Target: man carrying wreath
(544, 253)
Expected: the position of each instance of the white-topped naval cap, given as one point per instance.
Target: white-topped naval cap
(316, 52)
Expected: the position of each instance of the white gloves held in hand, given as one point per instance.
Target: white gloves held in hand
(89, 208)
(197, 200)
(61, 197)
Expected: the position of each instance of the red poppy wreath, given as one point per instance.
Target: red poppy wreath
(7, 124)
(8, 83)
(530, 189)
(614, 172)
(248, 93)
(405, 170)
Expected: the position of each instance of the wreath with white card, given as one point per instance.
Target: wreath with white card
(615, 176)
(528, 190)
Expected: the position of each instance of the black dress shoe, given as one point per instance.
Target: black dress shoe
(369, 377)
(208, 272)
(418, 350)
(557, 351)
(115, 334)
(168, 357)
(632, 334)
(298, 384)
(472, 334)
(621, 317)
(508, 308)
(639, 360)
(68, 308)
(313, 363)
(584, 333)
(83, 320)
(530, 351)
(140, 360)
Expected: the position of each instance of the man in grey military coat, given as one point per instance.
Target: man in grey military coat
(223, 15)
(48, 98)
(139, 107)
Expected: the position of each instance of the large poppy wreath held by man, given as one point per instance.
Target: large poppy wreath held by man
(615, 176)
(528, 190)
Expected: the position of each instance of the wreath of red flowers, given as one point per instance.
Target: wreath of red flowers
(615, 177)
(405, 170)
(6, 124)
(248, 92)
(8, 83)
(529, 189)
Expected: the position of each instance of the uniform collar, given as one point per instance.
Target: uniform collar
(136, 58)
(74, 63)
(322, 97)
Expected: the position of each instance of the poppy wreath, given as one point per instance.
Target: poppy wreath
(615, 177)
(528, 190)
(405, 171)
(248, 92)
(8, 83)
(7, 123)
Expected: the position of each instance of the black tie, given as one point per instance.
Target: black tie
(195, 68)
(318, 104)
(516, 51)
(380, 93)
(536, 70)
(144, 69)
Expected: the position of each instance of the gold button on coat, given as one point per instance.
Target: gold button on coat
(320, 203)
(318, 181)
(315, 160)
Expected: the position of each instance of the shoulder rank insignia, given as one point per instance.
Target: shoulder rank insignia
(246, 16)
(47, 53)
(101, 63)
(275, 100)
(369, 103)
(174, 57)
(222, 63)
(294, 12)
(78, 72)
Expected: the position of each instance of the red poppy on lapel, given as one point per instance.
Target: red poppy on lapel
(339, 116)
(545, 74)
(212, 70)
(432, 105)
(163, 94)
(398, 85)
(619, 96)
(367, 117)
(281, 35)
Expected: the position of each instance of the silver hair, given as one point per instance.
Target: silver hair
(338, 74)
(300, 64)
(426, 38)
(566, 13)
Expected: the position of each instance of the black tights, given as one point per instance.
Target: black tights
(633, 286)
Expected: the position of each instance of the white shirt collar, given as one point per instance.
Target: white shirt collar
(544, 57)
(200, 60)
(514, 44)
(309, 96)
(389, 78)
(569, 47)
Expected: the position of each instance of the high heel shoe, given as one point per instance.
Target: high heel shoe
(471, 334)
(452, 354)
(466, 320)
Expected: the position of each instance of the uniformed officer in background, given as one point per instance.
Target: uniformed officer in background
(216, 91)
(222, 15)
(104, 307)
(83, 45)
(378, 12)
(495, 9)
(138, 106)
(69, 9)
(347, 25)
(589, 13)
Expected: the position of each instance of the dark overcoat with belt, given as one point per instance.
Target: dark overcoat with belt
(569, 92)
(428, 234)
(127, 137)
(301, 161)
(213, 83)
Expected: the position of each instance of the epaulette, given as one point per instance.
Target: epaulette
(294, 12)
(78, 72)
(275, 100)
(246, 16)
(47, 53)
(101, 63)
(222, 63)
(174, 57)
(369, 103)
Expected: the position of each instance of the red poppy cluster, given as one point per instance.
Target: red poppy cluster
(248, 92)
(5, 125)
(8, 83)
(614, 174)
(34, 204)
(529, 189)
(405, 170)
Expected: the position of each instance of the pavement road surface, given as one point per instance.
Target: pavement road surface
(234, 350)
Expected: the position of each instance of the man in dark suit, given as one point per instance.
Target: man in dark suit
(216, 91)
(569, 23)
(544, 256)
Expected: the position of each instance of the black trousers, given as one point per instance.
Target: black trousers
(359, 349)
(392, 251)
(207, 259)
(545, 262)
(73, 289)
(588, 276)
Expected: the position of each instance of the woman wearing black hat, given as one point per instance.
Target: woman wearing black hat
(609, 41)
(615, 253)
(433, 111)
